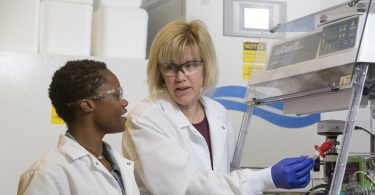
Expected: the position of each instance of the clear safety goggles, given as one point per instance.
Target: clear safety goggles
(116, 93)
(113, 93)
(188, 68)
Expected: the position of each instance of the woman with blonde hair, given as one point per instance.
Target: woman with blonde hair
(181, 141)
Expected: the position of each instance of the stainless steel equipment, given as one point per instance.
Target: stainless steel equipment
(320, 64)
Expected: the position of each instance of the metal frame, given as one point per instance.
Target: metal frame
(360, 73)
(359, 77)
(236, 163)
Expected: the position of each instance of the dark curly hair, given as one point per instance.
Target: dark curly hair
(74, 81)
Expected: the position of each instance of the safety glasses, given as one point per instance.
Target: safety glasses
(113, 93)
(117, 93)
(188, 68)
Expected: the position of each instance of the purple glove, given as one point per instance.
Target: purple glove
(292, 173)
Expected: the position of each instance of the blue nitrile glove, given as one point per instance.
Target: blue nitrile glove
(292, 173)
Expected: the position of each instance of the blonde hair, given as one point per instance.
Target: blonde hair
(172, 42)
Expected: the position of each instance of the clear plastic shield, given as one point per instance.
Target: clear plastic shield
(310, 55)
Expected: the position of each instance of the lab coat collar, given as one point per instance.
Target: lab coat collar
(171, 108)
(75, 151)
(71, 148)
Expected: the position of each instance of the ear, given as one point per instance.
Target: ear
(87, 105)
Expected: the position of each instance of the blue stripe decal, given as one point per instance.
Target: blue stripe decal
(232, 90)
(232, 105)
(226, 94)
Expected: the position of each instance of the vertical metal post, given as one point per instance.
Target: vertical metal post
(358, 83)
(241, 141)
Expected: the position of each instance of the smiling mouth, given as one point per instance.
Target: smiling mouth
(124, 113)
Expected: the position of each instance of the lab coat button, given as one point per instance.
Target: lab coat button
(128, 163)
(96, 163)
(223, 127)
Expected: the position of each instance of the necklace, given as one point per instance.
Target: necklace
(98, 156)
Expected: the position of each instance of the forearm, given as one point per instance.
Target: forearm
(238, 182)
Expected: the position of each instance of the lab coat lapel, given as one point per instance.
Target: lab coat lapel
(75, 151)
(127, 173)
(183, 124)
(218, 133)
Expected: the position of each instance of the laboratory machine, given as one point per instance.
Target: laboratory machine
(320, 63)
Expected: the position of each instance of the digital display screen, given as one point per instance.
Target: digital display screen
(338, 36)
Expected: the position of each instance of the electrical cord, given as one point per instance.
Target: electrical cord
(323, 186)
(361, 128)
(366, 174)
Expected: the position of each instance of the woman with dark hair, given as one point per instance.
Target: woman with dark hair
(89, 98)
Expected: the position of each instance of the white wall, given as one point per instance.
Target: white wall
(18, 25)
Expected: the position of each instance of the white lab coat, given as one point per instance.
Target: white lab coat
(69, 169)
(172, 158)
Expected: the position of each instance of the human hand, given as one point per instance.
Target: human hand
(292, 173)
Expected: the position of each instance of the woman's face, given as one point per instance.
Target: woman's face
(185, 88)
(110, 110)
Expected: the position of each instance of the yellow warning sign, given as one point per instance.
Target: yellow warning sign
(254, 52)
(254, 56)
(247, 69)
(55, 119)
